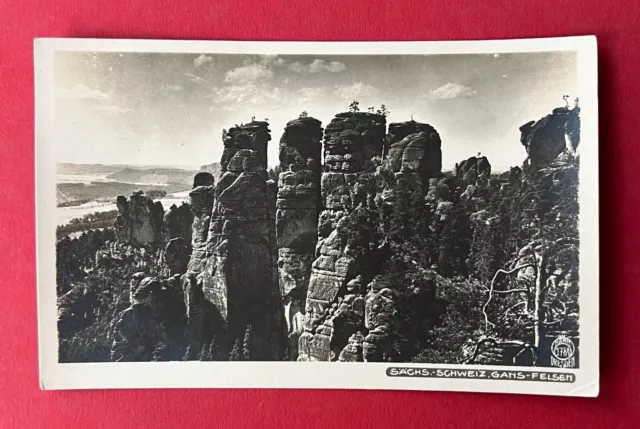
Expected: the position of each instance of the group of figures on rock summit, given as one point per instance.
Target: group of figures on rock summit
(351, 255)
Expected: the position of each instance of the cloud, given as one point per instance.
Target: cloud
(308, 94)
(249, 84)
(358, 89)
(110, 108)
(202, 60)
(170, 87)
(452, 90)
(272, 59)
(83, 92)
(257, 95)
(248, 73)
(318, 66)
(195, 79)
(297, 67)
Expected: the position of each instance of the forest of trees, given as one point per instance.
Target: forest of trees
(503, 264)
(97, 220)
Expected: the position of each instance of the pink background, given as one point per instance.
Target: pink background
(616, 23)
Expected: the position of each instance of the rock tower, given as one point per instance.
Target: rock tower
(298, 207)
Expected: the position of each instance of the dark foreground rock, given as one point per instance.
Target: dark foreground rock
(545, 139)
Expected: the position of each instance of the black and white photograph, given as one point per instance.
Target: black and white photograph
(348, 215)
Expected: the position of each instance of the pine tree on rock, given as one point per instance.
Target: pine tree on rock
(236, 351)
(246, 345)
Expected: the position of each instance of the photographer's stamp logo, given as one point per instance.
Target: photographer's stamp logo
(563, 352)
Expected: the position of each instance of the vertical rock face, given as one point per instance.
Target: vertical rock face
(176, 232)
(234, 258)
(334, 305)
(298, 206)
(140, 221)
(201, 200)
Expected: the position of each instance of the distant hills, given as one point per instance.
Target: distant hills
(68, 168)
(214, 168)
(152, 175)
(113, 180)
(72, 194)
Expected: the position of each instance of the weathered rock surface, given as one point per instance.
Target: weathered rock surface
(201, 203)
(234, 260)
(352, 139)
(298, 206)
(332, 313)
(548, 137)
(176, 255)
(254, 136)
(177, 223)
(140, 221)
(414, 152)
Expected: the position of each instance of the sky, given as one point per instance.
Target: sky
(170, 109)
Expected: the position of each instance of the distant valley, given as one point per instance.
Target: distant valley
(84, 183)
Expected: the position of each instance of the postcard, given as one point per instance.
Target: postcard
(379, 215)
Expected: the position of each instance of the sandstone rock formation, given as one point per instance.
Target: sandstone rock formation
(414, 151)
(548, 137)
(177, 223)
(234, 258)
(176, 255)
(139, 221)
(393, 309)
(201, 200)
(474, 170)
(335, 304)
(352, 140)
(254, 136)
(298, 206)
